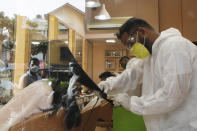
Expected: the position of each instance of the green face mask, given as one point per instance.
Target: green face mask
(139, 50)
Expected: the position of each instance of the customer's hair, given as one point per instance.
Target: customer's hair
(195, 43)
(133, 23)
(34, 59)
(106, 74)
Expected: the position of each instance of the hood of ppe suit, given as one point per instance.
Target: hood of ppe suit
(134, 62)
(167, 34)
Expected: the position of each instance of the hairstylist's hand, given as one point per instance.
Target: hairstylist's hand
(122, 100)
(101, 85)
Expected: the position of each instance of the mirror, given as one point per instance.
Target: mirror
(38, 39)
(57, 63)
(78, 48)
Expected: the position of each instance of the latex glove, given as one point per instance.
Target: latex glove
(122, 99)
(104, 86)
(101, 85)
(96, 93)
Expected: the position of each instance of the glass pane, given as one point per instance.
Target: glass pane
(39, 41)
(78, 49)
(57, 58)
(7, 56)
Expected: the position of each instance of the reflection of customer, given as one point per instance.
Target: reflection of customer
(32, 74)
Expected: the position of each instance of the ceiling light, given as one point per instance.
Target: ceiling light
(103, 14)
(93, 3)
(111, 41)
(35, 43)
(66, 42)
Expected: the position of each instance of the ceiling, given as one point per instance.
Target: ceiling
(120, 11)
(116, 8)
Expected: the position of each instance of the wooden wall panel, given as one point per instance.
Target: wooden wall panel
(84, 55)
(170, 14)
(148, 10)
(89, 59)
(98, 60)
(189, 11)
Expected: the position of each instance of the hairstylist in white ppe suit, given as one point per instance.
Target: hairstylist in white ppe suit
(134, 82)
(168, 74)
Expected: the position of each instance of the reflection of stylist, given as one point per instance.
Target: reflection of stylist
(32, 74)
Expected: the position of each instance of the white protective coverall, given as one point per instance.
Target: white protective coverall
(134, 87)
(169, 91)
(26, 103)
(132, 63)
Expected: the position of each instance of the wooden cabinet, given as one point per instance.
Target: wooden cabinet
(103, 53)
(112, 58)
